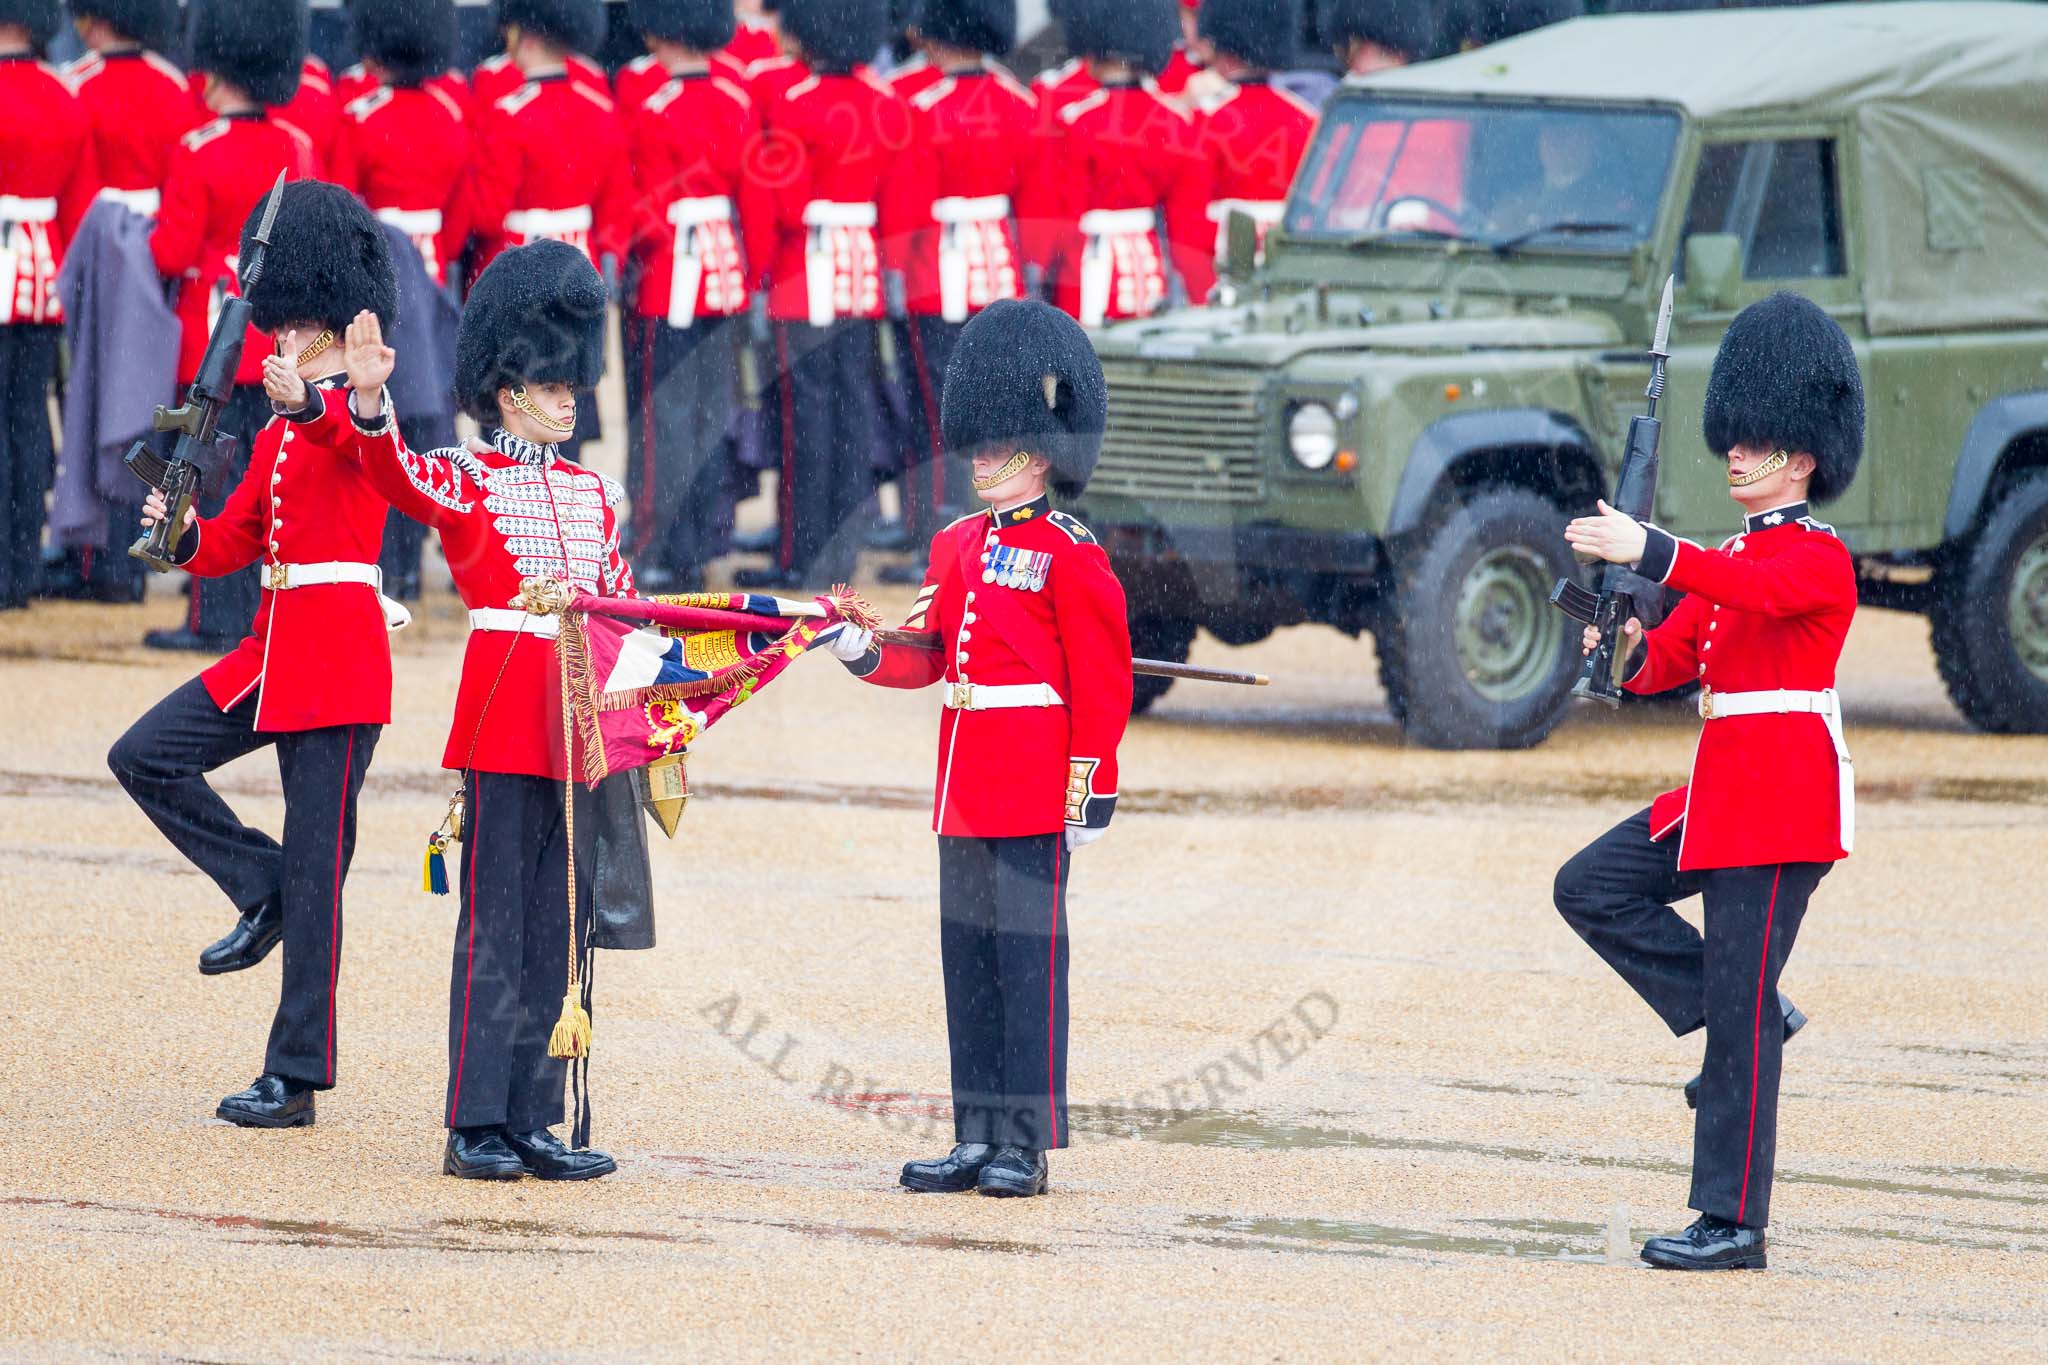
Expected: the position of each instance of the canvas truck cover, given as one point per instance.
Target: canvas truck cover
(1946, 101)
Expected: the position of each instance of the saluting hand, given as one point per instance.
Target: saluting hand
(281, 378)
(1613, 536)
(369, 362)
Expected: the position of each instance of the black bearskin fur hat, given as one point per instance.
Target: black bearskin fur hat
(1494, 21)
(327, 260)
(535, 316)
(1260, 33)
(152, 23)
(982, 25)
(1023, 374)
(258, 45)
(572, 25)
(1408, 27)
(836, 35)
(1141, 32)
(1785, 376)
(700, 25)
(412, 39)
(39, 17)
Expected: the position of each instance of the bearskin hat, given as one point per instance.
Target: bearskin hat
(980, 25)
(327, 260)
(414, 40)
(1495, 21)
(1785, 376)
(535, 316)
(572, 25)
(1260, 33)
(1141, 32)
(258, 45)
(1404, 26)
(1023, 374)
(39, 17)
(152, 23)
(700, 25)
(836, 35)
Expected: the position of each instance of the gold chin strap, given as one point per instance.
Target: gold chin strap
(1012, 467)
(525, 403)
(319, 344)
(1770, 466)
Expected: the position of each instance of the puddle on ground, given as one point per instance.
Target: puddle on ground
(1541, 1241)
(1495, 1088)
(928, 1241)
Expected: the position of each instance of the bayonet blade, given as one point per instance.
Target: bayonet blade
(253, 270)
(1661, 346)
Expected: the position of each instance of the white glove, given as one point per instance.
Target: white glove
(850, 644)
(1078, 835)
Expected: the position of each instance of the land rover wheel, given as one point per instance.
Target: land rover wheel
(1167, 638)
(1991, 616)
(1473, 654)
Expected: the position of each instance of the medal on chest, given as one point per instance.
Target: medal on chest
(1007, 566)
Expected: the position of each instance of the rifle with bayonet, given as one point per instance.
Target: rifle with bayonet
(200, 445)
(1635, 494)
(1150, 668)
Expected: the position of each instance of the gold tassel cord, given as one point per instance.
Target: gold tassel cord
(571, 1036)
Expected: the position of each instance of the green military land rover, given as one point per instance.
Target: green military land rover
(1431, 360)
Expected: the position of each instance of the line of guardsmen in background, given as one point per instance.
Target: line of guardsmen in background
(799, 208)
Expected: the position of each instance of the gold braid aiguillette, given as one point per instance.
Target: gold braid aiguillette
(1012, 467)
(524, 402)
(319, 345)
(1776, 462)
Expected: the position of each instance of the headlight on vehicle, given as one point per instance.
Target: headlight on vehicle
(1312, 435)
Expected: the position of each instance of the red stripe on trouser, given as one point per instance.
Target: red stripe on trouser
(476, 809)
(643, 514)
(1763, 971)
(931, 416)
(1052, 952)
(785, 496)
(334, 928)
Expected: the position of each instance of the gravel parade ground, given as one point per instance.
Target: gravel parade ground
(1345, 1084)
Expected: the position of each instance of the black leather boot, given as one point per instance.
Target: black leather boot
(272, 1102)
(1709, 1244)
(1794, 1021)
(248, 943)
(1014, 1172)
(952, 1173)
(480, 1154)
(547, 1157)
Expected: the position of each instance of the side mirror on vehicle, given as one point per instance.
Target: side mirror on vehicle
(1240, 245)
(1713, 267)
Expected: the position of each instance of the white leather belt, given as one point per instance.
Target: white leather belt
(989, 208)
(508, 619)
(285, 577)
(532, 223)
(981, 697)
(144, 202)
(15, 209)
(416, 222)
(686, 271)
(1098, 264)
(821, 261)
(1827, 704)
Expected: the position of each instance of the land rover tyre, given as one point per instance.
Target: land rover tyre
(1166, 638)
(1991, 616)
(1472, 653)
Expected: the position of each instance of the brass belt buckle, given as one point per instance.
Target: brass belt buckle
(1707, 703)
(280, 577)
(963, 696)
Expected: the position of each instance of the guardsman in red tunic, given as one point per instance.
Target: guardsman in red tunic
(403, 147)
(755, 36)
(960, 189)
(46, 180)
(134, 97)
(1252, 133)
(313, 678)
(1121, 166)
(1036, 677)
(1770, 806)
(1189, 61)
(498, 76)
(690, 140)
(648, 73)
(818, 224)
(248, 54)
(359, 80)
(509, 508)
